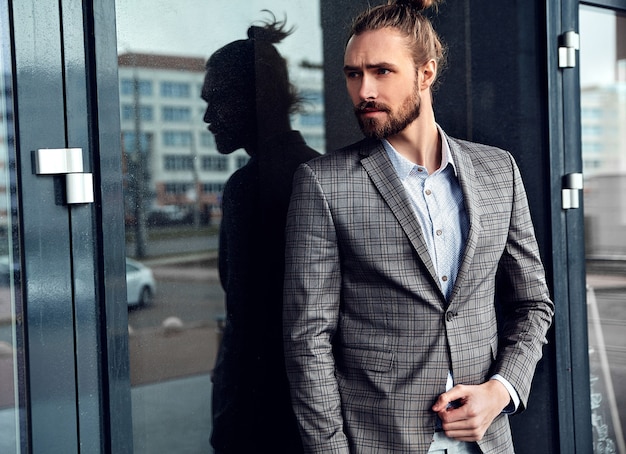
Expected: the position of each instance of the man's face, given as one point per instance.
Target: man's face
(229, 114)
(382, 82)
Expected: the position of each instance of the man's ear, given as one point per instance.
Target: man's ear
(428, 73)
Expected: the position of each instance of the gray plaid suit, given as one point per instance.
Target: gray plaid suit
(369, 336)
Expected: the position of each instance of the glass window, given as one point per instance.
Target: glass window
(213, 187)
(178, 162)
(176, 114)
(129, 141)
(127, 87)
(145, 112)
(176, 138)
(175, 338)
(145, 88)
(176, 188)
(313, 96)
(242, 161)
(214, 163)
(207, 140)
(175, 90)
(603, 121)
(312, 119)
(12, 414)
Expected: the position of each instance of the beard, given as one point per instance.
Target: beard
(395, 123)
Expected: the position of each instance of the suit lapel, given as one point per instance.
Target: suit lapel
(468, 182)
(380, 170)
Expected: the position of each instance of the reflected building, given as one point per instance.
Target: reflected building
(603, 114)
(181, 165)
(6, 120)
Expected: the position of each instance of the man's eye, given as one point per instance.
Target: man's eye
(352, 75)
(383, 71)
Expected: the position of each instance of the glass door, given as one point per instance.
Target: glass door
(61, 374)
(603, 133)
(174, 180)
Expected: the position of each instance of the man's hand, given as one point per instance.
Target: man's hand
(466, 412)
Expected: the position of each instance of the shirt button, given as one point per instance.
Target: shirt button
(428, 192)
(438, 232)
(445, 278)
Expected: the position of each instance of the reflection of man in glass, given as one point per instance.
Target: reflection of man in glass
(249, 101)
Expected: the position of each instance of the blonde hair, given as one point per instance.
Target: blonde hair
(407, 17)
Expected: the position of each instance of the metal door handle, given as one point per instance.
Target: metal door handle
(572, 184)
(68, 162)
(569, 43)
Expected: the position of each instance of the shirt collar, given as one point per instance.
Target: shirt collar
(403, 166)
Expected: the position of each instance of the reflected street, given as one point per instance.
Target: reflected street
(177, 334)
(190, 292)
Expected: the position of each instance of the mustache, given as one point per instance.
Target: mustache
(362, 107)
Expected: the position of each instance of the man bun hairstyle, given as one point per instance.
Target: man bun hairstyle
(271, 31)
(419, 5)
(255, 68)
(407, 16)
(272, 82)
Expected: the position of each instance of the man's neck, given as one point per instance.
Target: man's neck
(420, 143)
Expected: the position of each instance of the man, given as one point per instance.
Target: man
(249, 100)
(398, 336)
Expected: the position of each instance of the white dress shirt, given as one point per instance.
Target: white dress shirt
(437, 200)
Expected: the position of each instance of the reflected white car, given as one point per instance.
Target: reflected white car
(140, 284)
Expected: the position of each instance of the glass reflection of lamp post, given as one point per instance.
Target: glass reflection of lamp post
(141, 234)
(196, 193)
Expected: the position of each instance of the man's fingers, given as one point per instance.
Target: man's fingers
(450, 400)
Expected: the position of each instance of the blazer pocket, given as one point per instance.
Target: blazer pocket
(362, 359)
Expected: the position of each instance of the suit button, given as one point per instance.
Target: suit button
(450, 316)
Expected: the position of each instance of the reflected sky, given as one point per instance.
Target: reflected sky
(597, 54)
(199, 27)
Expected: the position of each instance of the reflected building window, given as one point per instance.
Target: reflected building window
(146, 113)
(176, 138)
(176, 114)
(216, 188)
(207, 140)
(242, 161)
(175, 90)
(176, 188)
(178, 162)
(129, 141)
(127, 87)
(215, 163)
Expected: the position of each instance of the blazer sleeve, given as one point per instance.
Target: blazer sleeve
(525, 309)
(310, 315)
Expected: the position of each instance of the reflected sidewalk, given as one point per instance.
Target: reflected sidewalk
(606, 281)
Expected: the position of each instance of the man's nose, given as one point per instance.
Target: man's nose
(207, 115)
(368, 89)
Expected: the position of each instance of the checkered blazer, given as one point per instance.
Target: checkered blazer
(369, 336)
